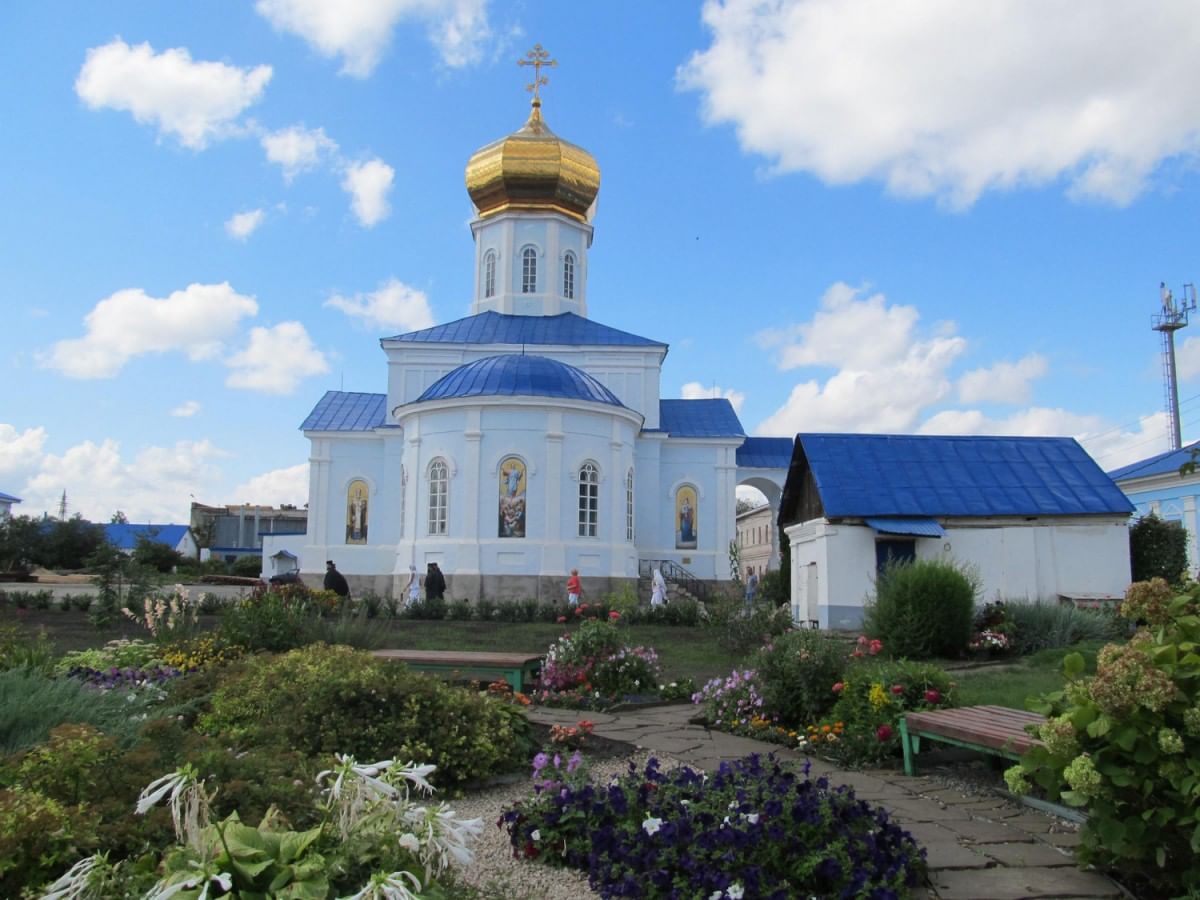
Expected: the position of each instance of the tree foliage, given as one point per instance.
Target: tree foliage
(53, 543)
(1157, 549)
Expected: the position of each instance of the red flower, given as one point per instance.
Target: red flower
(897, 689)
(876, 646)
(614, 615)
(838, 688)
(579, 610)
(933, 696)
(884, 733)
(561, 619)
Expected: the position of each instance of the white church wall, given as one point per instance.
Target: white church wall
(695, 463)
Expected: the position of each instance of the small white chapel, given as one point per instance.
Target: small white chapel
(527, 439)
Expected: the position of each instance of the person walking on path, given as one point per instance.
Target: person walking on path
(335, 581)
(435, 583)
(751, 586)
(574, 588)
(658, 589)
(413, 591)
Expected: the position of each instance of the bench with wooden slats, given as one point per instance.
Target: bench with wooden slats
(515, 668)
(997, 730)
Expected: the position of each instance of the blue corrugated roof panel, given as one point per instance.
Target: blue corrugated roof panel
(519, 375)
(699, 418)
(124, 535)
(914, 527)
(765, 453)
(9, 498)
(1162, 464)
(918, 475)
(347, 411)
(500, 328)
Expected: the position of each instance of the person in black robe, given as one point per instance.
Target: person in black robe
(435, 583)
(335, 581)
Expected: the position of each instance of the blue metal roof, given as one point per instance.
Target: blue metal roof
(347, 411)
(124, 535)
(517, 375)
(501, 328)
(765, 453)
(9, 498)
(914, 527)
(699, 418)
(1163, 464)
(917, 475)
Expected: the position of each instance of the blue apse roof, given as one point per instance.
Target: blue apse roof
(915, 527)
(1163, 464)
(501, 328)
(915, 475)
(346, 411)
(124, 536)
(699, 418)
(765, 453)
(518, 375)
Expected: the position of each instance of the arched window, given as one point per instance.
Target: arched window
(629, 507)
(528, 271)
(569, 276)
(439, 482)
(589, 499)
(489, 274)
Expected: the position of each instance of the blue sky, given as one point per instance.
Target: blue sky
(852, 215)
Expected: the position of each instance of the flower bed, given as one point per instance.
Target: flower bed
(592, 668)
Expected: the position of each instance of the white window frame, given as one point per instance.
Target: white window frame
(589, 500)
(629, 506)
(489, 274)
(569, 276)
(439, 497)
(529, 271)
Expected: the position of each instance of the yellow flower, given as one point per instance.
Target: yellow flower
(878, 696)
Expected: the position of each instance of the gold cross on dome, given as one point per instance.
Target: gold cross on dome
(537, 57)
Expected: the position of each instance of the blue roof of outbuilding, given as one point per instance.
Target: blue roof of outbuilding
(1163, 464)
(699, 418)
(917, 475)
(346, 411)
(765, 453)
(501, 328)
(9, 498)
(519, 375)
(124, 535)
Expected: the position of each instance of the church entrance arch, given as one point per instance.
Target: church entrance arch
(760, 533)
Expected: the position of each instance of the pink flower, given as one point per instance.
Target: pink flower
(876, 646)
(561, 619)
(933, 696)
(862, 640)
(884, 733)
(614, 615)
(838, 688)
(897, 689)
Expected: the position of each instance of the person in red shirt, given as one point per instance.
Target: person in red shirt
(574, 588)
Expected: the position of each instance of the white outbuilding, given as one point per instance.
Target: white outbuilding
(1035, 516)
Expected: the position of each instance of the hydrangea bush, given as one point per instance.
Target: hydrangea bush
(1125, 743)
(753, 829)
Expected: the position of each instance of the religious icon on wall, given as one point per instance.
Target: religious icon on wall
(512, 498)
(356, 512)
(685, 518)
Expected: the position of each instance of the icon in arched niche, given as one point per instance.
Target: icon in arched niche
(512, 498)
(686, 508)
(356, 512)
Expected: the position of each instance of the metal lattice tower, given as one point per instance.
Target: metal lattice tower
(1172, 317)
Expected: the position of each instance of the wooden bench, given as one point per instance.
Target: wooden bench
(515, 668)
(997, 730)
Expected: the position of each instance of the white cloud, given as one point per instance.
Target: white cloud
(1187, 359)
(276, 360)
(951, 99)
(194, 321)
(395, 305)
(1004, 382)
(196, 102)
(368, 184)
(359, 31)
(297, 149)
(694, 390)
(186, 410)
(276, 487)
(20, 452)
(241, 225)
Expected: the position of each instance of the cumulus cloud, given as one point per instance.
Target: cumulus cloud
(241, 225)
(949, 99)
(1004, 382)
(297, 149)
(276, 487)
(694, 390)
(276, 360)
(394, 306)
(19, 451)
(1187, 359)
(358, 31)
(195, 102)
(368, 184)
(194, 321)
(186, 410)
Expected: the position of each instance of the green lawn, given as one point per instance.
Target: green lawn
(1010, 685)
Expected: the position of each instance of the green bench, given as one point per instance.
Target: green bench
(996, 730)
(518, 669)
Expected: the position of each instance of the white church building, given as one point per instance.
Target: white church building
(527, 439)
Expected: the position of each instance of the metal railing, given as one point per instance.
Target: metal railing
(675, 574)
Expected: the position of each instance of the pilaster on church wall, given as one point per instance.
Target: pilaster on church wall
(473, 522)
(553, 552)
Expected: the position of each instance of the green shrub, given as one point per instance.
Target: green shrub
(1045, 626)
(796, 672)
(773, 589)
(274, 621)
(320, 700)
(1125, 743)
(459, 611)
(426, 608)
(247, 566)
(20, 650)
(348, 627)
(485, 609)
(1157, 549)
(38, 838)
(739, 631)
(922, 609)
(119, 654)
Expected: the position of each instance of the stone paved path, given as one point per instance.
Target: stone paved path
(979, 848)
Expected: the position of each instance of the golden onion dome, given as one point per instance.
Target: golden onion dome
(534, 169)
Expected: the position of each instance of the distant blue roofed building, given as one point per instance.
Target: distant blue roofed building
(1035, 516)
(125, 536)
(1155, 485)
(6, 504)
(526, 439)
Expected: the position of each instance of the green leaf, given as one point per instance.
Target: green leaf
(1160, 856)
(1196, 840)
(1073, 665)
(1099, 727)
(1074, 798)
(1126, 738)
(293, 845)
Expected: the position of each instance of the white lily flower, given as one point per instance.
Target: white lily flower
(410, 842)
(190, 803)
(390, 886)
(73, 882)
(169, 784)
(418, 775)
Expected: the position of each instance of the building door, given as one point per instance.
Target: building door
(897, 549)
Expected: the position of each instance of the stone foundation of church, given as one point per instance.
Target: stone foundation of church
(497, 588)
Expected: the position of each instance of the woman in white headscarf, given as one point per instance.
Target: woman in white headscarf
(658, 592)
(413, 590)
